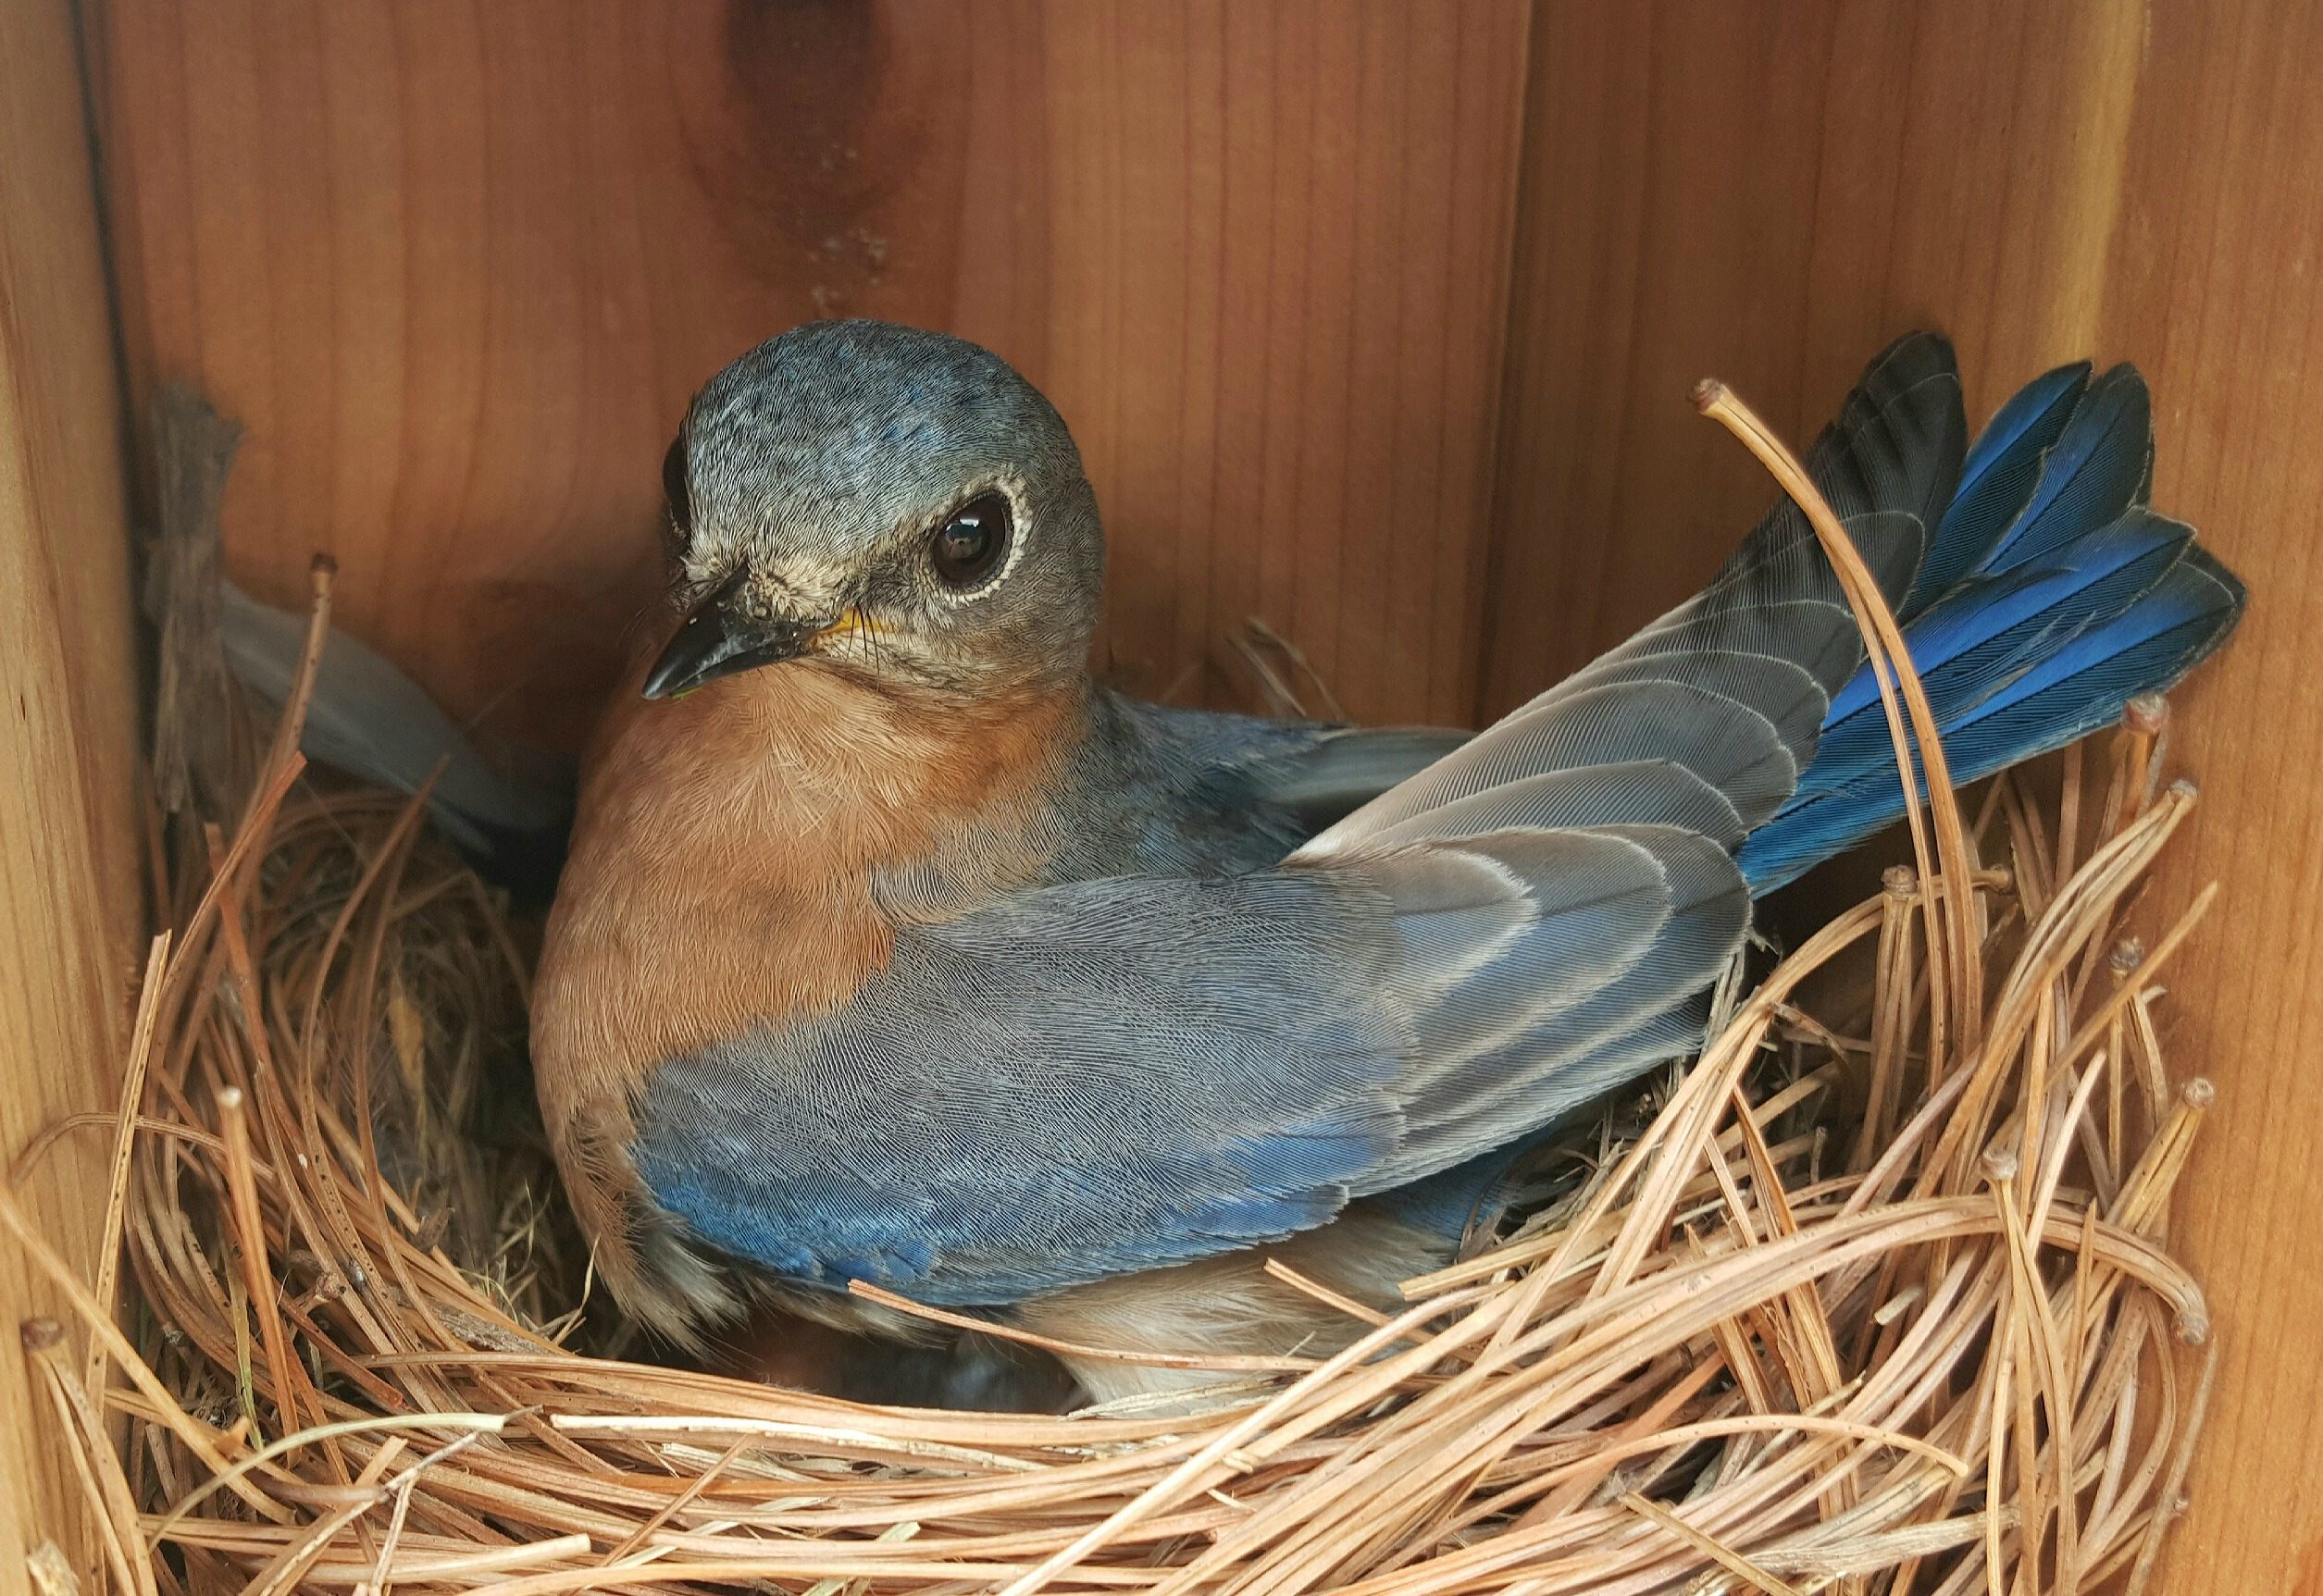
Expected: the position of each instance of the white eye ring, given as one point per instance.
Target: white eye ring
(985, 583)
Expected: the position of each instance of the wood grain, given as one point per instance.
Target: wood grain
(458, 265)
(1770, 193)
(1375, 320)
(69, 907)
(2213, 288)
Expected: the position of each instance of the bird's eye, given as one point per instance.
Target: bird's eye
(969, 544)
(681, 504)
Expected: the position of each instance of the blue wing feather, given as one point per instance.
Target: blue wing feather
(1115, 1075)
(1102, 1076)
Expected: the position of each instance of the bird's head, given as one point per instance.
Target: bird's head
(881, 501)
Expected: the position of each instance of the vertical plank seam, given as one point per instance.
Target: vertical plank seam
(1522, 182)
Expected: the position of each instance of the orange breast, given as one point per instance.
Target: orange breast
(722, 871)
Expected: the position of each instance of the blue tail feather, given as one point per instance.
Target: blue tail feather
(2077, 690)
(2098, 469)
(2049, 598)
(1999, 475)
(2083, 685)
(1993, 629)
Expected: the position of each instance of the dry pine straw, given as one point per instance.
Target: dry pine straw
(1875, 1302)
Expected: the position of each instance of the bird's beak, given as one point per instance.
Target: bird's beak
(721, 638)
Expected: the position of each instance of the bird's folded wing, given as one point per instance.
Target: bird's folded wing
(1321, 780)
(1113, 1075)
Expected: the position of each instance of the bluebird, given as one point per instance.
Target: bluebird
(890, 947)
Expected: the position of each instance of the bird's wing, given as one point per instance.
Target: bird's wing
(1321, 780)
(1111, 1075)
(1311, 772)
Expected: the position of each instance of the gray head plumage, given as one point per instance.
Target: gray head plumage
(886, 500)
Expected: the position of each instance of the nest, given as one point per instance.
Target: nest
(1874, 1297)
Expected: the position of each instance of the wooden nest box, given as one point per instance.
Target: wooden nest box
(1376, 322)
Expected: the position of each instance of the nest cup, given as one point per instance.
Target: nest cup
(1873, 1297)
